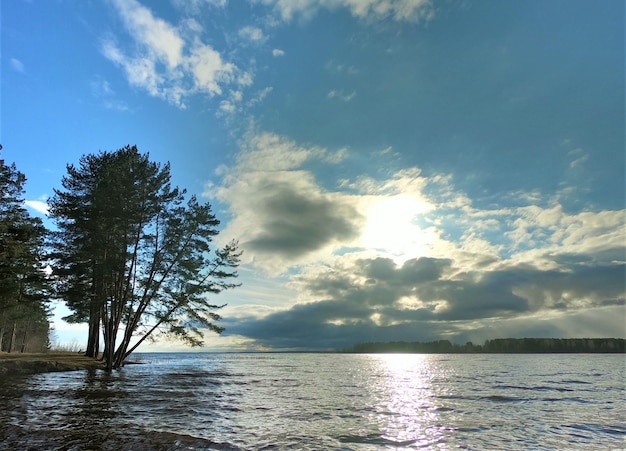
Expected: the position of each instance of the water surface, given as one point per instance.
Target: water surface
(323, 401)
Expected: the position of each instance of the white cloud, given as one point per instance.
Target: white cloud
(405, 181)
(244, 79)
(101, 87)
(232, 104)
(17, 65)
(226, 106)
(278, 52)
(260, 95)
(154, 34)
(336, 67)
(194, 7)
(104, 92)
(38, 205)
(209, 70)
(334, 94)
(579, 158)
(269, 152)
(253, 34)
(399, 10)
(170, 62)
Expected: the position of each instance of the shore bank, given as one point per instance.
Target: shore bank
(16, 364)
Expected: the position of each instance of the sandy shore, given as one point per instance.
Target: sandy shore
(22, 364)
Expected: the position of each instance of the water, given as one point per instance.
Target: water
(323, 401)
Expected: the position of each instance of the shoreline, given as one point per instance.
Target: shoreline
(24, 364)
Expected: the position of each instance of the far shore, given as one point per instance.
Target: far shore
(16, 364)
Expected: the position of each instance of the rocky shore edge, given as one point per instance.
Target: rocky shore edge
(19, 364)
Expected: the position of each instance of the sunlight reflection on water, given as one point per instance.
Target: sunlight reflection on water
(322, 401)
(408, 413)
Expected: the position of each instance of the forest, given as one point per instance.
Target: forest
(128, 253)
(25, 287)
(499, 345)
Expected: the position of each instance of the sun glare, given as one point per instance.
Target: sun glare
(391, 226)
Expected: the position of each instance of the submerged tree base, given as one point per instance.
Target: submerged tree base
(16, 364)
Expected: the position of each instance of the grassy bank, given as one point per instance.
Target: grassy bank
(14, 364)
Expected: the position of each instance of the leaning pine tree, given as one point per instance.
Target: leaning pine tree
(133, 259)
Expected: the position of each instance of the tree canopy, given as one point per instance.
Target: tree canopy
(133, 257)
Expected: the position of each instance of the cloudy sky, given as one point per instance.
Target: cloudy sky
(393, 169)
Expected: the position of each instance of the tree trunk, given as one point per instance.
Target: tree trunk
(25, 336)
(93, 339)
(109, 339)
(2, 327)
(12, 337)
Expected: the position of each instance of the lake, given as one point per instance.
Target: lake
(323, 401)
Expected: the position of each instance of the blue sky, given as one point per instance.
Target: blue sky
(394, 170)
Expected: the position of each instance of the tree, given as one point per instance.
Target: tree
(133, 258)
(24, 287)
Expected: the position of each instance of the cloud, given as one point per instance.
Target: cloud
(38, 205)
(579, 158)
(170, 62)
(281, 215)
(340, 68)
(252, 34)
(300, 219)
(154, 34)
(104, 92)
(425, 299)
(101, 88)
(194, 7)
(209, 70)
(260, 95)
(399, 255)
(398, 10)
(278, 52)
(334, 94)
(17, 65)
(434, 265)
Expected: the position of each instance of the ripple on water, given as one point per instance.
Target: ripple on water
(322, 401)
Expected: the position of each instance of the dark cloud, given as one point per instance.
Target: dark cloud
(412, 272)
(296, 223)
(467, 299)
(377, 300)
(378, 272)
(306, 326)
(600, 258)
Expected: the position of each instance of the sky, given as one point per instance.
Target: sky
(393, 169)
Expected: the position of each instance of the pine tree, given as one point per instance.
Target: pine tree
(24, 286)
(132, 257)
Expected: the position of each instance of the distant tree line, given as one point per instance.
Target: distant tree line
(499, 345)
(131, 256)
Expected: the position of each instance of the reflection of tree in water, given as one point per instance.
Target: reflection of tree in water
(11, 391)
(94, 410)
(98, 398)
(89, 408)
